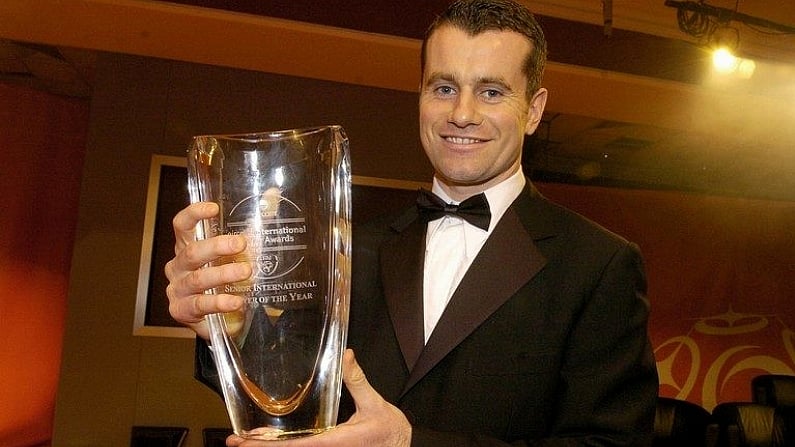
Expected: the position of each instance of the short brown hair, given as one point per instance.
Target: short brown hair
(477, 16)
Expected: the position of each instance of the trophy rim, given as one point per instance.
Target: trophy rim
(271, 135)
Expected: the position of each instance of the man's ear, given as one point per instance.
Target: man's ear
(536, 110)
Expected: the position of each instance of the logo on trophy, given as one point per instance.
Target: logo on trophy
(267, 265)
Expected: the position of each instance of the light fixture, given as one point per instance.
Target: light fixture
(712, 26)
(724, 60)
(726, 63)
(724, 40)
(700, 15)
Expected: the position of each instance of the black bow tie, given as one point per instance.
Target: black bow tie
(474, 210)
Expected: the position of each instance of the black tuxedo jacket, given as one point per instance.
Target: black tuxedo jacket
(543, 343)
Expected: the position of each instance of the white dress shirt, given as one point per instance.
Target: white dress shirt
(451, 244)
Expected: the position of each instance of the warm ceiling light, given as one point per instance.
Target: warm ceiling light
(724, 61)
(727, 63)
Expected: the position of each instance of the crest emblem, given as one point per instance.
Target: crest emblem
(267, 264)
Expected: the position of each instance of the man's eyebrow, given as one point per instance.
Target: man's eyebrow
(495, 81)
(486, 80)
(439, 76)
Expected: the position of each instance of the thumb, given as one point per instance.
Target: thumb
(356, 382)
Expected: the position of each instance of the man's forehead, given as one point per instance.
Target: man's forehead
(502, 43)
(452, 54)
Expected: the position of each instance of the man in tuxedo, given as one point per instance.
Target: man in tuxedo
(523, 325)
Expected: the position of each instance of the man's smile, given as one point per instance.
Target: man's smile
(463, 140)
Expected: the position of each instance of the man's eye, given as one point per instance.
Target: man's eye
(492, 93)
(445, 90)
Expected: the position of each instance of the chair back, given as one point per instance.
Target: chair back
(773, 389)
(748, 424)
(680, 423)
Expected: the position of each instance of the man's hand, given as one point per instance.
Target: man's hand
(189, 279)
(375, 423)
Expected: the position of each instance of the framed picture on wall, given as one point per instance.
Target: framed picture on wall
(167, 193)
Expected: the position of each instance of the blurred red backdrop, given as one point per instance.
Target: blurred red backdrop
(42, 145)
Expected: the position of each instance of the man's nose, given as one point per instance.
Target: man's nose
(465, 110)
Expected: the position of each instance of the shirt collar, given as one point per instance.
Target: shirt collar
(500, 196)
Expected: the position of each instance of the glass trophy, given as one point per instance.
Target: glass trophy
(279, 359)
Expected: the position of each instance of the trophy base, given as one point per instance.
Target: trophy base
(274, 434)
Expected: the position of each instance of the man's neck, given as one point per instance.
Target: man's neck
(461, 192)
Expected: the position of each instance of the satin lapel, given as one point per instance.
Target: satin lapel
(508, 260)
(401, 270)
